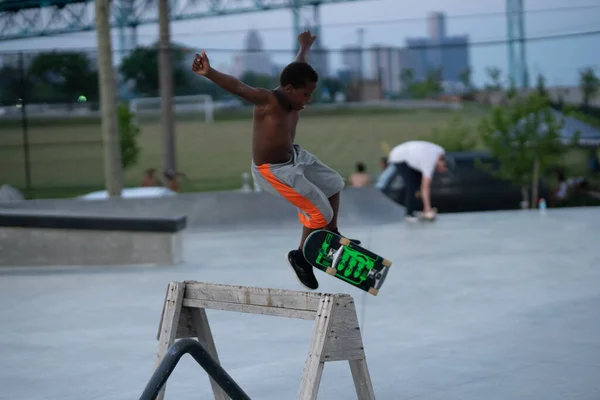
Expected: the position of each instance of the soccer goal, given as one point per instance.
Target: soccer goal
(150, 106)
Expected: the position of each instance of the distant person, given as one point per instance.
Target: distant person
(150, 179)
(416, 161)
(383, 166)
(171, 178)
(593, 162)
(383, 163)
(360, 178)
(562, 191)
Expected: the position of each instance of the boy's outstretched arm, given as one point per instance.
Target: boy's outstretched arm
(257, 96)
(306, 40)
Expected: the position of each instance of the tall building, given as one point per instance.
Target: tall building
(352, 60)
(455, 57)
(437, 26)
(451, 53)
(387, 63)
(319, 60)
(254, 59)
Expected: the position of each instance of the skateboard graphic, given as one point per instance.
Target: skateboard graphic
(337, 256)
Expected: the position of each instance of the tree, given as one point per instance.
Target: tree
(407, 77)
(525, 137)
(63, 77)
(259, 80)
(494, 74)
(141, 68)
(512, 91)
(11, 89)
(432, 85)
(455, 136)
(466, 80)
(433, 82)
(333, 86)
(589, 84)
(128, 133)
(541, 85)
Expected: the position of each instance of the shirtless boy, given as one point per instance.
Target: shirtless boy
(279, 166)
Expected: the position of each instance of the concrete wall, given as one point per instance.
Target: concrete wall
(69, 247)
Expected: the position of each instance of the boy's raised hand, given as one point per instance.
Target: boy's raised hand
(306, 39)
(201, 65)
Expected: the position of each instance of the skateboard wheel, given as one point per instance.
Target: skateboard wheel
(345, 242)
(331, 271)
(373, 291)
(386, 263)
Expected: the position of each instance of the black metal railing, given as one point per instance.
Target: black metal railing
(196, 350)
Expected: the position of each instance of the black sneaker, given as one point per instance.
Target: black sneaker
(303, 270)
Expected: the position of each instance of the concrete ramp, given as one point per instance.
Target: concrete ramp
(359, 206)
(227, 209)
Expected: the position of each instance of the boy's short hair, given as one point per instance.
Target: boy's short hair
(298, 74)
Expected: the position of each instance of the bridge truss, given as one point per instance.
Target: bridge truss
(22, 19)
(515, 27)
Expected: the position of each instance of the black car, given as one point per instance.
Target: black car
(465, 187)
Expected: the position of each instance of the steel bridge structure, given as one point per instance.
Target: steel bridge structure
(515, 28)
(23, 19)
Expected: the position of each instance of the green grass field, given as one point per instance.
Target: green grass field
(66, 157)
(68, 154)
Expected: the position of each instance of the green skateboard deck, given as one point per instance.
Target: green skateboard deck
(337, 256)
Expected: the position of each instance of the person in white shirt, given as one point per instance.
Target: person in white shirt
(416, 161)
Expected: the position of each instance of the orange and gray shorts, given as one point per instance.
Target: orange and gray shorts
(305, 182)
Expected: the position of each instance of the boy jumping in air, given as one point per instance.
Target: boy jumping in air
(279, 166)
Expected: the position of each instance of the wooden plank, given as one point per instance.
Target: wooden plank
(266, 297)
(344, 341)
(162, 314)
(313, 366)
(343, 355)
(250, 309)
(185, 327)
(362, 379)
(170, 322)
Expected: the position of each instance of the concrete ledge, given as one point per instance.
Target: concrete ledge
(51, 239)
(59, 220)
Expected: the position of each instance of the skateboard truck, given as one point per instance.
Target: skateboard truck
(336, 257)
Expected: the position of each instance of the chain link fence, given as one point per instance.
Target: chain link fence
(50, 131)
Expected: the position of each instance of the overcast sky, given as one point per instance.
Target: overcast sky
(384, 23)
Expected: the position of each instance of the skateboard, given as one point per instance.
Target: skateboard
(337, 256)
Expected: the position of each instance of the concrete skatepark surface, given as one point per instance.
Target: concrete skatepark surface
(498, 305)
